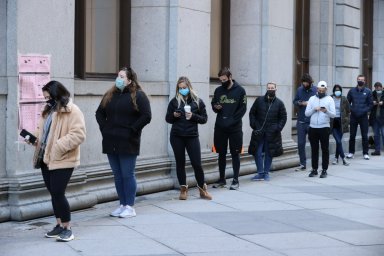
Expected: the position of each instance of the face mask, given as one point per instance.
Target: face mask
(51, 103)
(226, 84)
(360, 83)
(337, 93)
(120, 83)
(184, 91)
(271, 93)
(379, 92)
(321, 94)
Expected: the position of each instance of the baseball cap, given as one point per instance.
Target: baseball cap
(322, 84)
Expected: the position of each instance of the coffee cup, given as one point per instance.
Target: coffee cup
(187, 109)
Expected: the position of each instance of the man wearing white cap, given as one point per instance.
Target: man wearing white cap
(320, 108)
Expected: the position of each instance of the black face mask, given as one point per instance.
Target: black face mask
(321, 94)
(271, 93)
(360, 83)
(51, 103)
(226, 84)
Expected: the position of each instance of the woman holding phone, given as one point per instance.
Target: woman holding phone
(59, 134)
(185, 111)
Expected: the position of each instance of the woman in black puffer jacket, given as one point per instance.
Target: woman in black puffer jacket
(267, 118)
(185, 111)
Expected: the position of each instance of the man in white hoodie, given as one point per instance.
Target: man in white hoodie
(320, 108)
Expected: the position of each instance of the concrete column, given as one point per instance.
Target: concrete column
(322, 41)
(262, 51)
(33, 27)
(347, 42)
(378, 41)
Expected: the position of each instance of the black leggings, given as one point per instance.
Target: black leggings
(235, 165)
(56, 182)
(192, 145)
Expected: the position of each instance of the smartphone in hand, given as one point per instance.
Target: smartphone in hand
(28, 136)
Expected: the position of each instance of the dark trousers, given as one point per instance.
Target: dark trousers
(354, 122)
(56, 182)
(235, 165)
(192, 145)
(235, 139)
(316, 136)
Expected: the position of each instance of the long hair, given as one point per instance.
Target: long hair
(133, 87)
(337, 86)
(192, 93)
(59, 93)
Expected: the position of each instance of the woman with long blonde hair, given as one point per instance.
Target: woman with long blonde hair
(185, 111)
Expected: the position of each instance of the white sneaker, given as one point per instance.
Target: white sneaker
(128, 212)
(117, 212)
(335, 161)
(366, 157)
(349, 156)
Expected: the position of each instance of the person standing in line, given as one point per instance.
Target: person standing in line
(185, 111)
(60, 132)
(304, 92)
(229, 102)
(267, 118)
(376, 117)
(121, 115)
(320, 109)
(340, 123)
(360, 99)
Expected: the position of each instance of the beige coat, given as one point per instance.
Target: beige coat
(66, 134)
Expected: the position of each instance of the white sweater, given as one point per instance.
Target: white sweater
(318, 118)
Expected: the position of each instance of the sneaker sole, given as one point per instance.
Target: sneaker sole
(219, 186)
(66, 239)
(48, 236)
(128, 216)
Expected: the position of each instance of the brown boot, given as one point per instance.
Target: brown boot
(204, 193)
(183, 192)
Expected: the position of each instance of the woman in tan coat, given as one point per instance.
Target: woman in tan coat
(60, 133)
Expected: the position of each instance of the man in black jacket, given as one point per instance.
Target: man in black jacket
(267, 118)
(361, 102)
(230, 104)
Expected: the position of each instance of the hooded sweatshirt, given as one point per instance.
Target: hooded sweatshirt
(234, 103)
(318, 118)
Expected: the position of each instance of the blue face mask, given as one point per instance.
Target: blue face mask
(337, 93)
(184, 91)
(120, 83)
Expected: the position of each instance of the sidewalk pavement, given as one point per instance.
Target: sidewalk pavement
(291, 215)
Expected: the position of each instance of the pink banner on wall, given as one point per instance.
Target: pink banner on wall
(30, 115)
(30, 86)
(34, 63)
(34, 73)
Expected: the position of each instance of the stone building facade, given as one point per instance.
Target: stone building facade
(88, 40)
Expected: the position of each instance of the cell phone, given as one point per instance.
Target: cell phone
(32, 138)
(322, 107)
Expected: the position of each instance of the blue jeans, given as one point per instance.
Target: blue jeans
(338, 135)
(123, 167)
(377, 130)
(263, 147)
(302, 131)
